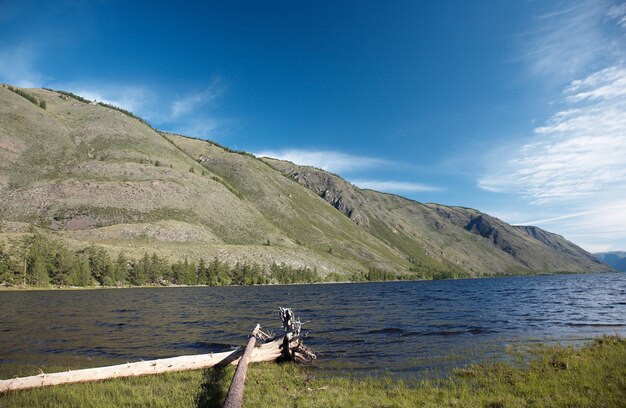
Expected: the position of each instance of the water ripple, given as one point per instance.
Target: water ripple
(400, 327)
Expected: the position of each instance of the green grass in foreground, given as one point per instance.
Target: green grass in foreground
(555, 376)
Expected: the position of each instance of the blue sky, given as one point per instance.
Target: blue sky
(516, 108)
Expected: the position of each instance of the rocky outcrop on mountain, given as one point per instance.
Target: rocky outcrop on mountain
(333, 189)
(480, 225)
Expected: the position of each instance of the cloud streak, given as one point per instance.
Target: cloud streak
(202, 128)
(602, 227)
(130, 97)
(391, 186)
(185, 115)
(579, 152)
(618, 13)
(189, 114)
(18, 66)
(574, 164)
(564, 43)
(572, 170)
(325, 159)
(194, 101)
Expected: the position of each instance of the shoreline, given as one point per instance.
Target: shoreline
(19, 288)
(545, 375)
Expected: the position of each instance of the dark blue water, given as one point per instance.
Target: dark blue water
(401, 327)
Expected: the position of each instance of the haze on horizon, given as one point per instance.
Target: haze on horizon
(515, 108)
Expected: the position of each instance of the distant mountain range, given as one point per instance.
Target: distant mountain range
(89, 173)
(616, 259)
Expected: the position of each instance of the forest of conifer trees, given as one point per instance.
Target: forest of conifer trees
(39, 261)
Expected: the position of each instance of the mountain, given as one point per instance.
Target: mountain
(456, 236)
(90, 173)
(616, 259)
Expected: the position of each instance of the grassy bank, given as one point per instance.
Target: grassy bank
(554, 376)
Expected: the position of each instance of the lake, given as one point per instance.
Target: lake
(403, 328)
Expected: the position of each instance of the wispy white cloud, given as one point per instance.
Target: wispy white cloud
(556, 218)
(573, 168)
(340, 162)
(195, 101)
(133, 98)
(618, 13)
(595, 247)
(565, 42)
(601, 227)
(18, 66)
(579, 152)
(203, 128)
(391, 186)
(182, 115)
(187, 114)
(604, 84)
(577, 157)
(325, 159)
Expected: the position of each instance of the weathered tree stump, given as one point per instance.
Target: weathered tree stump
(291, 348)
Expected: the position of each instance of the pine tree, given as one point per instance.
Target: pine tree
(63, 264)
(156, 270)
(121, 268)
(81, 276)
(36, 267)
(213, 272)
(100, 265)
(188, 273)
(202, 273)
(139, 273)
(8, 268)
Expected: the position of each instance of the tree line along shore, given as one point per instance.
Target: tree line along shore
(36, 260)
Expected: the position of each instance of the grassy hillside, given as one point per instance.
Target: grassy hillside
(95, 174)
(90, 174)
(302, 219)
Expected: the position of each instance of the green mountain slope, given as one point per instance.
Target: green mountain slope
(460, 238)
(92, 174)
(96, 174)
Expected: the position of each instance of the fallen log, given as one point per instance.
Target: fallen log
(286, 346)
(234, 398)
(266, 352)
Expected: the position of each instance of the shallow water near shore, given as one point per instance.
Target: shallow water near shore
(401, 328)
